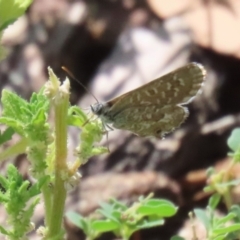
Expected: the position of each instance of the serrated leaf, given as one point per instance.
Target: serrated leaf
(3, 197)
(13, 174)
(4, 231)
(4, 182)
(35, 189)
(6, 135)
(13, 123)
(13, 106)
(23, 188)
(39, 117)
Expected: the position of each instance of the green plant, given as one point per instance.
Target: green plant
(123, 221)
(45, 144)
(46, 148)
(220, 185)
(10, 11)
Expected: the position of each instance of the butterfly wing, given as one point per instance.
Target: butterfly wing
(176, 87)
(151, 120)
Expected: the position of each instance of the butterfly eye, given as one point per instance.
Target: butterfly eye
(97, 108)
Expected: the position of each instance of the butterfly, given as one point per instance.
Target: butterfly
(156, 108)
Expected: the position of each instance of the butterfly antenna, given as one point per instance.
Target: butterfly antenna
(73, 77)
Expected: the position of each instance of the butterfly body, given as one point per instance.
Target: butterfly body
(155, 108)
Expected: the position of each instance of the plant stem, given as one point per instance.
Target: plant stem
(59, 191)
(47, 195)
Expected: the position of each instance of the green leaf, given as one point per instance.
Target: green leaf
(76, 219)
(3, 231)
(13, 106)
(6, 135)
(80, 221)
(208, 189)
(10, 10)
(27, 119)
(114, 215)
(202, 216)
(225, 219)
(117, 204)
(35, 189)
(233, 183)
(102, 226)
(236, 210)
(13, 174)
(234, 140)
(227, 229)
(76, 117)
(221, 237)
(106, 207)
(157, 207)
(4, 182)
(150, 223)
(23, 188)
(112, 210)
(214, 200)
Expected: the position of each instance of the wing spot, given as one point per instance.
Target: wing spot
(193, 92)
(151, 92)
(169, 85)
(149, 116)
(181, 82)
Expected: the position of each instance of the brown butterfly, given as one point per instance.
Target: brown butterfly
(155, 108)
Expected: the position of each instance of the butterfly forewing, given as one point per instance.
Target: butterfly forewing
(155, 108)
(176, 87)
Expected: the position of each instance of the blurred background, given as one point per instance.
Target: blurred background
(113, 46)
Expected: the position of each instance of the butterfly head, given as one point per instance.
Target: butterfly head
(97, 108)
